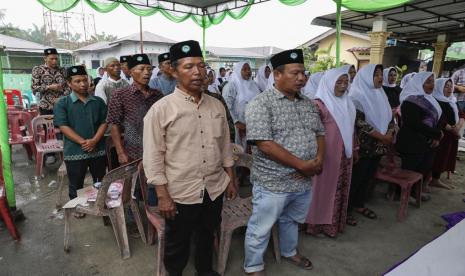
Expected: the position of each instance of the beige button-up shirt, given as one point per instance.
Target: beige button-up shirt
(186, 146)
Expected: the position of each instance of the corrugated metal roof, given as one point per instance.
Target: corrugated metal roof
(14, 44)
(419, 21)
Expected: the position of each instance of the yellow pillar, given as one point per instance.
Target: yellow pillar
(378, 43)
(440, 50)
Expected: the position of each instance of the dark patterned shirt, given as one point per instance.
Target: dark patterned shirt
(127, 109)
(369, 146)
(294, 125)
(43, 76)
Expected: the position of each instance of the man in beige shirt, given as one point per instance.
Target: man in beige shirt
(187, 156)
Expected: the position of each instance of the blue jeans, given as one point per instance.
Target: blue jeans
(289, 209)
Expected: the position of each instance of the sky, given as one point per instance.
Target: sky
(267, 24)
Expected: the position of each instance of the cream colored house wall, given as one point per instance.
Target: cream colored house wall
(347, 42)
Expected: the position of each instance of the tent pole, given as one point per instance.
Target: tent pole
(4, 145)
(204, 28)
(141, 38)
(338, 33)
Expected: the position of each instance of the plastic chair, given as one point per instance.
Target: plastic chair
(390, 171)
(21, 131)
(117, 214)
(236, 213)
(5, 214)
(11, 94)
(45, 140)
(155, 223)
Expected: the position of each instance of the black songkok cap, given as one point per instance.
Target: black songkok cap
(287, 57)
(75, 71)
(50, 51)
(189, 48)
(123, 59)
(138, 59)
(163, 57)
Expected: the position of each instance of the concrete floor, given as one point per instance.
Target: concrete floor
(370, 248)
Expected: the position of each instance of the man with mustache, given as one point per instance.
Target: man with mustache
(287, 135)
(127, 108)
(187, 156)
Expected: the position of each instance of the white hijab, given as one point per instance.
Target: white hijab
(370, 100)
(414, 87)
(341, 108)
(311, 86)
(406, 79)
(438, 94)
(270, 82)
(246, 89)
(386, 77)
(212, 87)
(346, 69)
(261, 79)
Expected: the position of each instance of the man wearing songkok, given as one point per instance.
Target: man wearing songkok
(49, 81)
(287, 138)
(187, 156)
(127, 108)
(125, 72)
(81, 118)
(165, 83)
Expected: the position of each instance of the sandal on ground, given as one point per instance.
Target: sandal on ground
(79, 215)
(367, 213)
(351, 220)
(300, 261)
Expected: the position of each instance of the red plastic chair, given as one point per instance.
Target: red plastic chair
(5, 214)
(45, 140)
(20, 127)
(10, 95)
(390, 171)
(155, 223)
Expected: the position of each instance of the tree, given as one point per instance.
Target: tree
(102, 37)
(324, 60)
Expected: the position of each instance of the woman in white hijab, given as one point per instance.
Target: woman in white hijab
(374, 131)
(311, 86)
(451, 122)
(419, 133)
(406, 79)
(270, 82)
(350, 69)
(263, 74)
(330, 191)
(211, 76)
(390, 86)
(237, 93)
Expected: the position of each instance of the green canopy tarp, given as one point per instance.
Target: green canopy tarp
(204, 13)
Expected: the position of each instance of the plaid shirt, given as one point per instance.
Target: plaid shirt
(43, 76)
(459, 79)
(127, 109)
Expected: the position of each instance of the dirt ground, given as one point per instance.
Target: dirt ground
(370, 248)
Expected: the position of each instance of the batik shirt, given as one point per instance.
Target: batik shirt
(127, 109)
(293, 124)
(43, 76)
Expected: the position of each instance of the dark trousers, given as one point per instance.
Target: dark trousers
(76, 171)
(420, 162)
(202, 220)
(362, 173)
